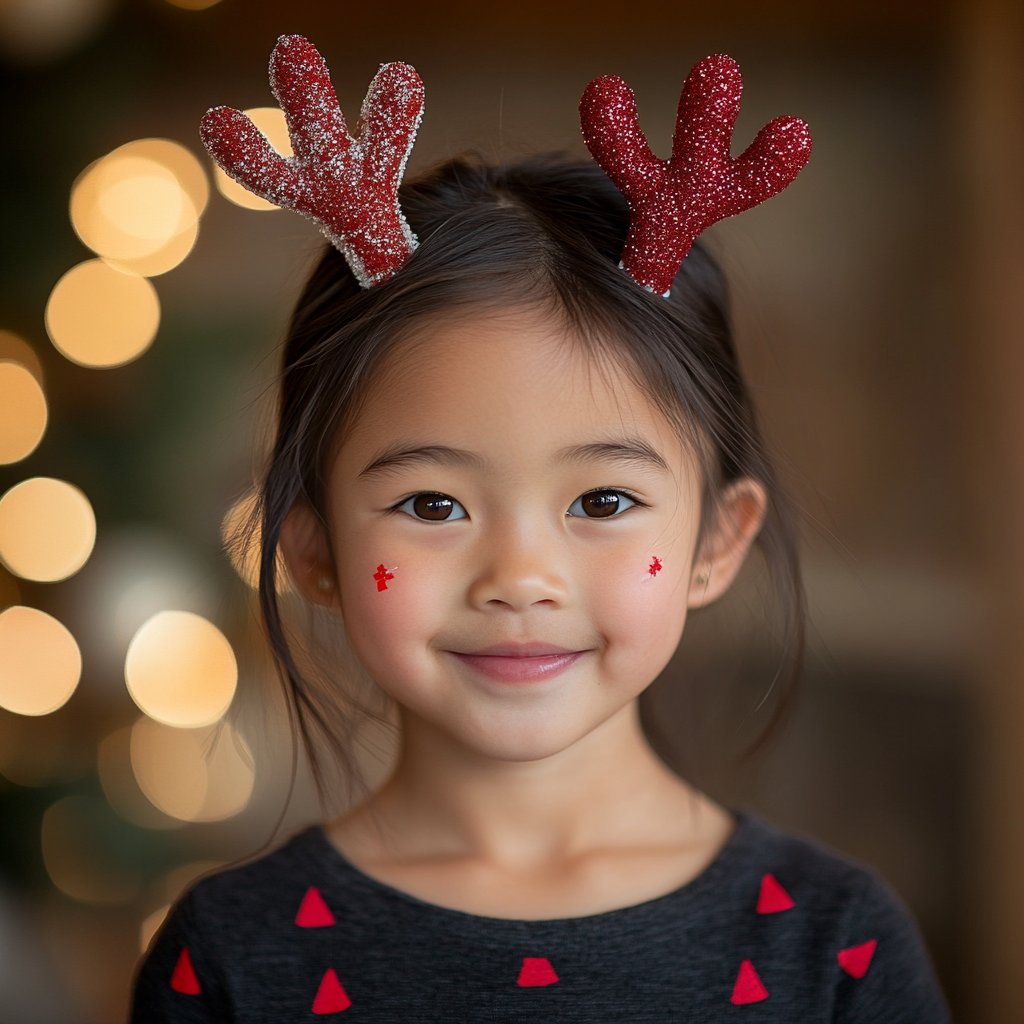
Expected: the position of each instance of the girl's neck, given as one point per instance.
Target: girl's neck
(607, 799)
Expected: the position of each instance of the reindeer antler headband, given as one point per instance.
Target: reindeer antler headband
(347, 186)
(672, 201)
(350, 187)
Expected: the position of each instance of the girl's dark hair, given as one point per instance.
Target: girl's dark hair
(548, 233)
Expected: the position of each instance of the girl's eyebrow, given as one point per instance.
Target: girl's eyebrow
(625, 449)
(437, 454)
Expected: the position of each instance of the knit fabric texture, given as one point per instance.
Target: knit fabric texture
(776, 929)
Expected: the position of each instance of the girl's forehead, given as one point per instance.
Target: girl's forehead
(502, 385)
(510, 365)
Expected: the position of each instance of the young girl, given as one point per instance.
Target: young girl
(514, 449)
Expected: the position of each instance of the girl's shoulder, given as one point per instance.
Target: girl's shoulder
(268, 884)
(826, 878)
(768, 875)
(807, 908)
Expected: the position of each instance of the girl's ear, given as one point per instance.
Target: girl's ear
(741, 511)
(307, 554)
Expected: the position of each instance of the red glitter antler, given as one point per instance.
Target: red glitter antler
(672, 201)
(347, 186)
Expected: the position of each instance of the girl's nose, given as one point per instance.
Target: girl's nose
(517, 573)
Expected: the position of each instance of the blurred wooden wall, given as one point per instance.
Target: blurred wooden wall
(990, 132)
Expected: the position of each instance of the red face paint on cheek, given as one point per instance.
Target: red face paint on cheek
(382, 576)
(655, 567)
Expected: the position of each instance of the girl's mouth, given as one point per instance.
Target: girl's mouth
(519, 662)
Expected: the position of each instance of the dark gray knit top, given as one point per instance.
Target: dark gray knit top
(776, 929)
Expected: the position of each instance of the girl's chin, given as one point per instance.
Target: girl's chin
(518, 737)
(503, 751)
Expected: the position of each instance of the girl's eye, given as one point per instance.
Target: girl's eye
(434, 508)
(600, 504)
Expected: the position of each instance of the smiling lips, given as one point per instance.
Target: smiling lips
(520, 663)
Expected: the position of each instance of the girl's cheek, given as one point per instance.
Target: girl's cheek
(391, 614)
(639, 612)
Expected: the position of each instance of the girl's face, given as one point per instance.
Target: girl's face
(513, 529)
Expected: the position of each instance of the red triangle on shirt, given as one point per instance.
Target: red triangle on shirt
(857, 959)
(330, 996)
(313, 912)
(748, 987)
(536, 970)
(773, 898)
(184, 978)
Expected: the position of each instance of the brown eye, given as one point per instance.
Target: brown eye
(435, 507)
(599, 504)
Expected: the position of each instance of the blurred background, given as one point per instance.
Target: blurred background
(880, 312)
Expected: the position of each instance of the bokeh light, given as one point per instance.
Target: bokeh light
(17, 350)
(180, 670)
(123, 207)
(241, 538)
(47, 529)
(98, 315)
(193, 5)
(139, 206)
(240, 542)
(270, 121)
(114, 766)
(23, 412)
(169, 768)
(179, 160)
(230, 772)
(80, 856)
(167, 257)
(40, 663)
(192, 774)
(38, 31)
